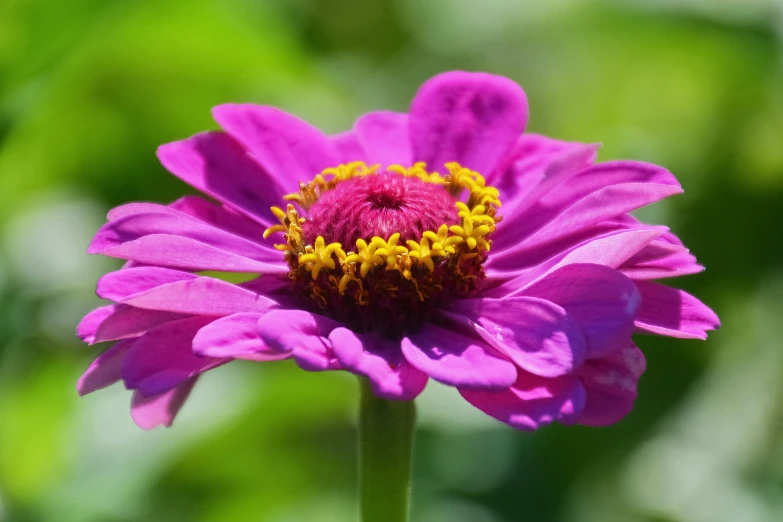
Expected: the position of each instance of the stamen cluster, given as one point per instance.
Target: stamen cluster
(385, 284)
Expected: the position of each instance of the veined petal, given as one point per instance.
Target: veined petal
(471, 118)
(611, 249)
(163, 357)
(537, 335)
(602, 301)
(673, 312)
(201, 296)
(289, 148)
(572, 198)
(127, 321)
(525, 167)
(532, 402)
(218, 166)
(235, 336)
(390, 375)
(457, 360)
(661, 259)
(160, 410)
(105, 369)
(135, 226)
(302, 334)
(611, 385)
(348, 147)
(385, 138)
(602, 204)
(185, 253)
(121, 284)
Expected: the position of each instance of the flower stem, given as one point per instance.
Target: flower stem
(385, 451)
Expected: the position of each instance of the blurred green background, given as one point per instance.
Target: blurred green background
(89, 88)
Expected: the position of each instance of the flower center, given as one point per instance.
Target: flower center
(379, 205)
(382, 252)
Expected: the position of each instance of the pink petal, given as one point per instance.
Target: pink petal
(384, 137)
(535, 334)
(303, 334)
(572, 199)
(570, 160)
(136, 226)
(218, 166)
(201, 296)
(220, 216)
(185, 253)
(602, 204)
(163, 357)
(611, 249)
(530, 157)
(457, 360)
(471, 118)
(289, 148)
(532, 402)
(160, 410)
(105, 369)
(90, 323)
(611, 386)
(348, 147)
(127, 321)
(121, 284)
(391, 376)
(673, 312)
(602, 301)
(235, 336)
(661, 259)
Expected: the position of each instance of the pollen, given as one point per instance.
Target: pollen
(381, 250)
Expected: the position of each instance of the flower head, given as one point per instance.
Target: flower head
(442, 244)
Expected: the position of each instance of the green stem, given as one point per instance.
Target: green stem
(385, 448)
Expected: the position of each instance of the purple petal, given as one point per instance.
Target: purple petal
(303, 334)
(384, 137)
(163, 357)
(348, 146)
(289, 148)
(90, 323)
(127, 321)
(471, 118)
(390, 375)
(121, 284)
(235, 336)
(457, 360)
(185, 253)
(527, 163)
(602, 301)
(611, 249)
(570, 201)
(532, 402)
(201, 296)
(160, 410)
(600, 205)
(571, 160)
(611, 386)
(661, 259)
(105, 369)
(136, 226)
(535, 334)
(220, 216)
(218, 166)
(673, 312)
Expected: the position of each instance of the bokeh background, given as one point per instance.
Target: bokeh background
(89, 88)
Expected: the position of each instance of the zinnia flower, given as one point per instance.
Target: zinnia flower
(441, 244)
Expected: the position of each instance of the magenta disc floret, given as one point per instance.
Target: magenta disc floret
(379, 205)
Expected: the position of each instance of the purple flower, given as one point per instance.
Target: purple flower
(443, 243)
